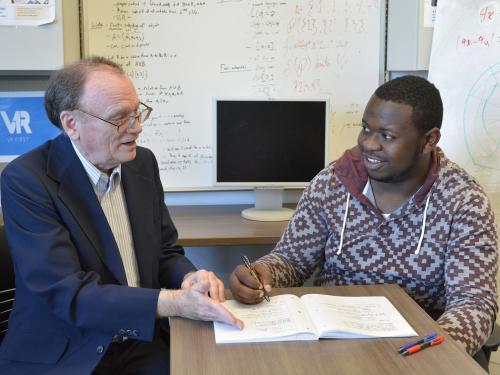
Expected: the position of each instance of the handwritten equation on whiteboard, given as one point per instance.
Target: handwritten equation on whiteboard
(487, 36)
(182, 54)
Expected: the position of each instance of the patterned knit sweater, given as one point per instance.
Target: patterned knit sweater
(453, 273)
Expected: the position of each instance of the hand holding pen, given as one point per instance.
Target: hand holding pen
(250, 283)
(248, 265)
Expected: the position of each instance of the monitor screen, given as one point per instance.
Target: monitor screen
(269, 142)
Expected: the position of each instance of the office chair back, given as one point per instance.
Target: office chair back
(7, 286)
(493, 342)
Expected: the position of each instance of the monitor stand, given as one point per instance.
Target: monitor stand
(268, 206)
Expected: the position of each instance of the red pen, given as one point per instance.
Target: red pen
(438, 340)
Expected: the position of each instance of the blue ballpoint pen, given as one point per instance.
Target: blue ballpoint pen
(431, 336)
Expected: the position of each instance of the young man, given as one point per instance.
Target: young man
(92, 241)
(394, 209)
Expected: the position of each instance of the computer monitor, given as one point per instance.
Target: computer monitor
(269, 145)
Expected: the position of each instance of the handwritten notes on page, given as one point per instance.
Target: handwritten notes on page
(356, 317)
(313, 316)
(183, 54)
(282, 319)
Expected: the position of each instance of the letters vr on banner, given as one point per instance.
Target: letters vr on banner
(23, 123)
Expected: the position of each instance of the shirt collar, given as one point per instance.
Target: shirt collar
(101, 181)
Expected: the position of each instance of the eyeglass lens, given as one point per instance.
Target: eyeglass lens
(142, 116)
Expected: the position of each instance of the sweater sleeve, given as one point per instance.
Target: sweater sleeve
(301, 248)
(470, 273)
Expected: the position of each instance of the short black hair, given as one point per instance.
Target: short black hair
(65, 86)
(418, 93)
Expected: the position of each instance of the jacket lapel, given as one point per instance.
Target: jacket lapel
(139, 195)
(76, 192)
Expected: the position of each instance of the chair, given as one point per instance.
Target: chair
(482, 357)
(7, 288)
(493, 342)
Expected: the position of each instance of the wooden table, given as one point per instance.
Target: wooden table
(222, 225)
(193, 349)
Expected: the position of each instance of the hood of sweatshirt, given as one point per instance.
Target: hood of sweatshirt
(350, 170)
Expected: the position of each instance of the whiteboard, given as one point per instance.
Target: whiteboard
(182, 54)
(465, 67)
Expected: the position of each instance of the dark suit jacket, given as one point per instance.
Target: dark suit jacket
(71, 294)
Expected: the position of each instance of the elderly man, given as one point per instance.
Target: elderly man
(92, 241)
(394, 209)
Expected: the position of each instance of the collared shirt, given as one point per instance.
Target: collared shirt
(109, 192)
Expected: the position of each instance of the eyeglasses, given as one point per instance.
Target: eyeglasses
(142, 115)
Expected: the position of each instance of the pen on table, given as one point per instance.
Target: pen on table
(431, 336)
(248, 265)
(416, 348)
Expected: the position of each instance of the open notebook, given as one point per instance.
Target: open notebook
(313, 316)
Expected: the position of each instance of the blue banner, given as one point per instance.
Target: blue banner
(23, 123)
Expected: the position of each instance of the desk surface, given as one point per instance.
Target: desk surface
(193, 349)
(222, 225)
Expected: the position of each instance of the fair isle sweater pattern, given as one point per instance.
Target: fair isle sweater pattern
(453, 274)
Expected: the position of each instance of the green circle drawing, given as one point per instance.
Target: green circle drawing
(482, 120)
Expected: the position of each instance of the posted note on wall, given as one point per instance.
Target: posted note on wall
(465, 66)
(27, 12)
(23, 124)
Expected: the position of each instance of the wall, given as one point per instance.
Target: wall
(220, 259)
(42, 48)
